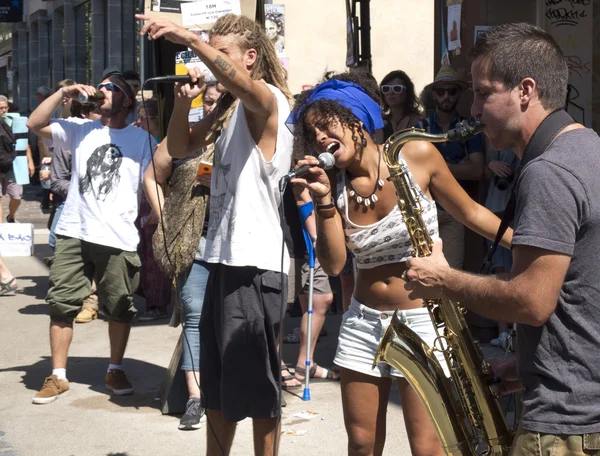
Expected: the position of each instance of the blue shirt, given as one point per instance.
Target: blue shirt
(452, 151)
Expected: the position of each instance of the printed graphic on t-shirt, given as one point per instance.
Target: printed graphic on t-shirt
(102, 172)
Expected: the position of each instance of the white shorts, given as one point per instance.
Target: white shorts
(362, 330)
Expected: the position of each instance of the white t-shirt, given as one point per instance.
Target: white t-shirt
(107, 169)
(244, 227)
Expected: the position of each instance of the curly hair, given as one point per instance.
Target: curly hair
(411, 102)
(328, 111)
(249, 35)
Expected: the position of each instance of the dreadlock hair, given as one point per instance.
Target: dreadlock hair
(328, 111)
(248, 35)
(411, 102)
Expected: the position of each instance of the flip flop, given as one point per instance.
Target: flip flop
(288, 378)
(5, 287)
(326, 374)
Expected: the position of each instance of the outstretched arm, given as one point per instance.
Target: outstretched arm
(255, 95)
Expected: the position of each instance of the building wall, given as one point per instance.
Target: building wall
(43, 57)
(403, 41)
(315, 39)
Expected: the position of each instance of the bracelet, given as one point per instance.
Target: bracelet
(320, 196)
(325, 206)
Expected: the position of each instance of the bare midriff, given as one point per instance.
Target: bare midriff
(382, 288)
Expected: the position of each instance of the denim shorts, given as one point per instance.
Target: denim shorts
(362, 330)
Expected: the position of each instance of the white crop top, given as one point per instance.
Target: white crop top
(386, 241)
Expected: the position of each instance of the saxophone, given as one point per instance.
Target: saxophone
(465, 412)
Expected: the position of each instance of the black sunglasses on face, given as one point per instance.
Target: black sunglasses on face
(109, 86)
(452, 91)
(397, 88)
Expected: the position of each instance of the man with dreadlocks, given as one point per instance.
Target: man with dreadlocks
(240, 318)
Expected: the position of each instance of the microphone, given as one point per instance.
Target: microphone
(326, 161)
(184, 78)
(209, 78)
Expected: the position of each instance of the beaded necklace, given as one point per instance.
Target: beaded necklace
(372, 198)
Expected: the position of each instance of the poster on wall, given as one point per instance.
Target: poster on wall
(454, 12)
(275, 27)
(193, 14)
(480, 30)
(167, 6)
(171, 9)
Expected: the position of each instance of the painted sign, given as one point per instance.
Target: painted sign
(16, 239)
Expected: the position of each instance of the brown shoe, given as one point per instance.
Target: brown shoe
(86, 315)
(53, 389)
(116, 381)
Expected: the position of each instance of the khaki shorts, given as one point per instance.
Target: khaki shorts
(298, 283)
(528, 443)
(9, 187)
(73, 267)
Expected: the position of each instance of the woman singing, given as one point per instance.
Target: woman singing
(362, 214)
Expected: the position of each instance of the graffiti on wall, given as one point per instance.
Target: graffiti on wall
(570, 22)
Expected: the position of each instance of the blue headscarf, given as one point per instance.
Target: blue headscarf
(348, 94)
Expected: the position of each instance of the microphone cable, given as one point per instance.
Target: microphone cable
(164, 236)
(282, 186)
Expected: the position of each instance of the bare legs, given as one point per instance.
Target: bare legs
(61, 335)
(365, 400)
(220, 435)
(192, 379)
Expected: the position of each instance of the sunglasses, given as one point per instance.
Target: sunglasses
(397, 88)
(109, 86)
(452, 91)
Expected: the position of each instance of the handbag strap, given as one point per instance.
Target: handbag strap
(545, 133)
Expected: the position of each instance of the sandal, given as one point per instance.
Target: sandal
(288, 378)
(326, 374)
(6, 287)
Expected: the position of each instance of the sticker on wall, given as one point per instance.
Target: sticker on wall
(480, 30)
(454, 13)
(275, 27)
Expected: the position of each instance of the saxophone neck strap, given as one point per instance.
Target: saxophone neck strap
(543, 136)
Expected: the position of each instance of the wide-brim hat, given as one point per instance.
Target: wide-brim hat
(447, 74)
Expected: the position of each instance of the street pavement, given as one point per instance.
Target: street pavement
(89, 421)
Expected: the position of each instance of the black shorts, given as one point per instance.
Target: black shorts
(239, 327)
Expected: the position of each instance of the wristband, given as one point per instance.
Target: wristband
(323, 207)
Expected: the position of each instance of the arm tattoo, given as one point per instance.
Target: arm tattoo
(225, 66)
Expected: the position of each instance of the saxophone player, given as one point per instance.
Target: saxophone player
(341, 115)
(552, 291)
